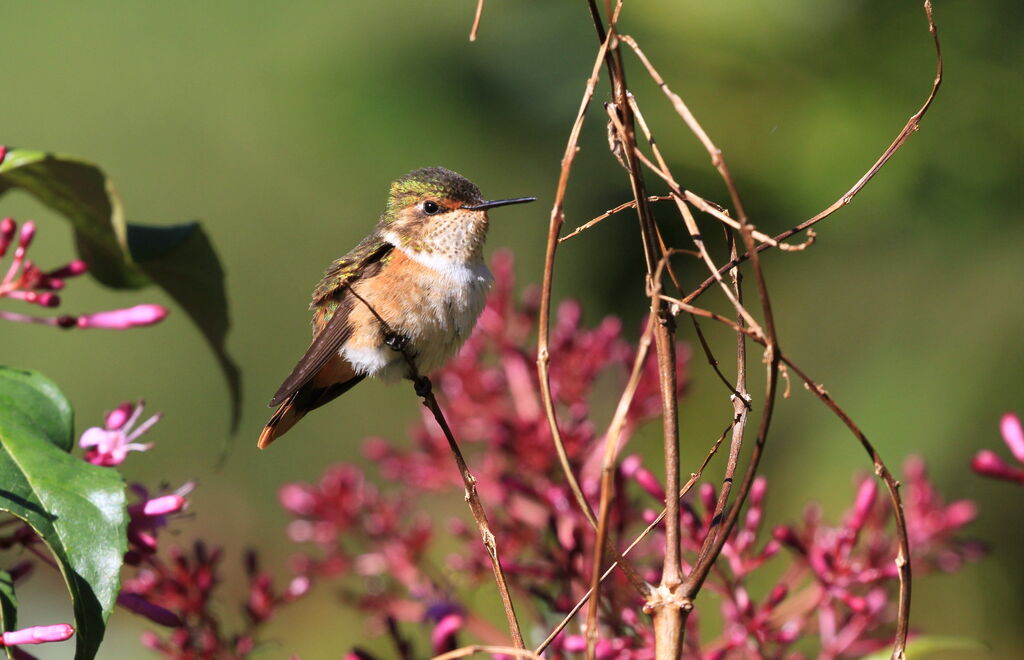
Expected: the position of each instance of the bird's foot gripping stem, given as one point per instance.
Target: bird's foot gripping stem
(395, 341)
(423, 387)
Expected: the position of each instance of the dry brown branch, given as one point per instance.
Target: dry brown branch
(476, 20)
(611, 449)
(631, 204)
(891, 484)
(664, 603)
(691, 222)
(425, 391)
(893, 488)
(694, 478)
(544, 320)
(908, 129)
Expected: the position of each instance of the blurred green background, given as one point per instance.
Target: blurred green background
(279, 125)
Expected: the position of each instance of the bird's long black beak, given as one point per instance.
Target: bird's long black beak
(499, 202)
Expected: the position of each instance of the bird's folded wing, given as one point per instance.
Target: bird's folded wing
(359, 263)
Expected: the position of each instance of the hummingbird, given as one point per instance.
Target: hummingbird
(414, 286)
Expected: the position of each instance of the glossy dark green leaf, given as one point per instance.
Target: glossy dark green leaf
(44, 406)
(8, 608)
(178, 258)
(78, 510)
(182, 261)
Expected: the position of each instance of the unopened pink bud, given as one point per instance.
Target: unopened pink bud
(47, 299)
(758, 490)
(863, 504)
(299, 586)
(707, 497)
(777, 595)
(38, 635)
(297, 499)
(117, 417)
(1013, 435)
(444, 632)
(987, 463)
(161, 506)
(574, 644)
(789, 633)
(73, 269)
(786, 536)
(960, 513)
(28, 232)
(7, 228)
(3, 153)
(152, 641)
(121, 319)
(650, 483)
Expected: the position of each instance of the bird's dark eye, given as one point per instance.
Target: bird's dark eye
(430, 208)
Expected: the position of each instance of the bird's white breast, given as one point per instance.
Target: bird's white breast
(438, 316)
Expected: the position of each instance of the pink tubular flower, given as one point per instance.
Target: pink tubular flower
(987, 463)
(122, 319)
(110, 445)
(37, 635)
(443, 636)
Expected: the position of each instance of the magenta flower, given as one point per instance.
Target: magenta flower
(27, 282)
(24, 280)
(37, 635)
(110, 445)
(989, 464)
(122, 319)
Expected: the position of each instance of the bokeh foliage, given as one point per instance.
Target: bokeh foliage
(279, 126)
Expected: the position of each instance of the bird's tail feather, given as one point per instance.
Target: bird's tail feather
(297, 405)
(286, 417)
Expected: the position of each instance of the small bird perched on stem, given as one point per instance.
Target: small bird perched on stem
(415, 286)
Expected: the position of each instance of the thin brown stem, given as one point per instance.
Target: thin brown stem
(544, 321)
(666, 607)
(908, 129)
(631, 204)
(476, 20)
(694, 478)
(611, 448)
(425, 390)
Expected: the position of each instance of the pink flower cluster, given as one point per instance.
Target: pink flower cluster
(837, 585)
(26, 282)
(989, 464)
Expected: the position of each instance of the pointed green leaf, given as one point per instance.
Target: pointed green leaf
(179, 258)
(37, 397)
(182, 261)
(8, 608)
(78, 510)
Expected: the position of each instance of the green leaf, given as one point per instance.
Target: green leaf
(8, 608)
(927, 645)
(179, 258)
(78, 510)
(44, 406)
